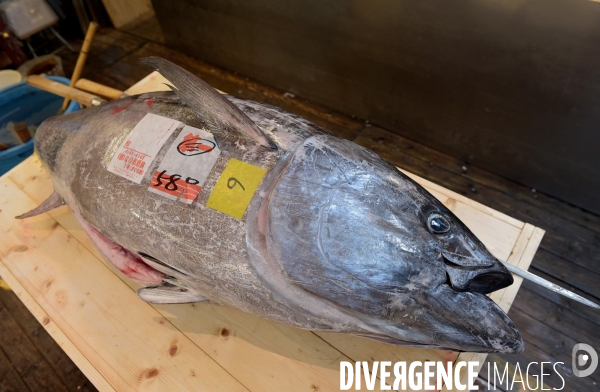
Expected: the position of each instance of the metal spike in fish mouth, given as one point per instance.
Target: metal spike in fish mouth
(322, 234)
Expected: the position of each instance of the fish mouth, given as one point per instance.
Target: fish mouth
(489, 327)
(485, 326)
(447, 319)
(456, 314)
(483, 278)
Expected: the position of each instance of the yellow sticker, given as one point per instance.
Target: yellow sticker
(4, 285)
(235, 188)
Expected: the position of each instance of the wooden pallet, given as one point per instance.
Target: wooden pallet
(121, 343)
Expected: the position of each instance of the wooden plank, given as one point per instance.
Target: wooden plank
(521, 256)
(152, 82)
(263, 355)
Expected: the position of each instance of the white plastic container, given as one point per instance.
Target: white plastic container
(9, 77)
(27, 17)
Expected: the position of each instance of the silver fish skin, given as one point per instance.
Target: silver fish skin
(334, 239)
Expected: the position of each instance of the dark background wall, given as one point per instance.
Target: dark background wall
(509, 85)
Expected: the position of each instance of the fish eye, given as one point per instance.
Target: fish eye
(438, 224)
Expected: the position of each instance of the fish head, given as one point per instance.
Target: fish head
(468, 263)
(350, 229)
(52, 134)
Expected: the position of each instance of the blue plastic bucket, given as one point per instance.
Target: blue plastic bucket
(22, 102)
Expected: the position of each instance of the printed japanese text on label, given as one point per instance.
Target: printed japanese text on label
(135, 155)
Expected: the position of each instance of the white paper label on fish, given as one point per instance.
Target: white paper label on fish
(135, 155)
(186, 165)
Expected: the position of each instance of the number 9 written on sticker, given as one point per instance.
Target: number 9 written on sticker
(235, 188)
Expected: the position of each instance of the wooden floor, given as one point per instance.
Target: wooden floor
(569, 254)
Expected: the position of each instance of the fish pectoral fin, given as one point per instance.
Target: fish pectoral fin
(55, 200)
(208, 103)
(167, 293)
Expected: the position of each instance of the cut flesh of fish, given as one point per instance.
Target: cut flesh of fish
(124, 260)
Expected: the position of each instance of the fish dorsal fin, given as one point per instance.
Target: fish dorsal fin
(209, 104)
(167, 293)
(55, 200)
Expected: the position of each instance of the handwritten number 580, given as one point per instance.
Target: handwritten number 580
(171, 185)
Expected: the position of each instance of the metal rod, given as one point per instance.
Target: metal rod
(549, 285)
(60, 37)
(28, 42)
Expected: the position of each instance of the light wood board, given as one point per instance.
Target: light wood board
(123, 344)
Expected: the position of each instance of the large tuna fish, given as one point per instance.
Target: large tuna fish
(289, 223)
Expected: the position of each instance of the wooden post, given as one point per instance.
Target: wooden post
(99, 89)
(86, 99)
(87, 42)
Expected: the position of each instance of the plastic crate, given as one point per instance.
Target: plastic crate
(22, 102)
